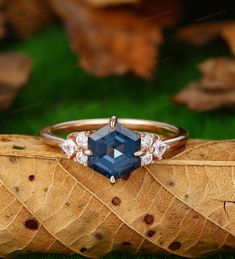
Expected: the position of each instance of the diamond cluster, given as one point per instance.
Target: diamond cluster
(153, 147)
(74, 147)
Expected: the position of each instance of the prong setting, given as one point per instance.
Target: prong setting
(87, 152)
(140, 152)
(88, 133)
(112, 180)
(113, 122)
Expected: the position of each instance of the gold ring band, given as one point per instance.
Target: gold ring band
(175, 136)
(115, 147)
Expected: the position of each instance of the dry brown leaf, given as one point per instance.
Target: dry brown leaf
(218, 73)
(111, 41)
(216, 89)
(201, 33)
(23, 17)
(14, 73)
(183, 205)
(197, 98)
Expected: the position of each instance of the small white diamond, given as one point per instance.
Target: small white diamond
(80, 158)
(160, 148)
(147, 140)
(69, 147)
(147, 159)
(82, 139)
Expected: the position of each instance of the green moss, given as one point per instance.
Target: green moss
(60, 90)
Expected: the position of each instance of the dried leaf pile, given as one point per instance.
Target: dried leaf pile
(117, 40)
(184, 205)
(128, 42)
(216, 89)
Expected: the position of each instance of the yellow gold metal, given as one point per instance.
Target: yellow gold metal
(170, 134)
(112, 180)
(88, 133)
(72, 136)
(87, 152)
(140, 152)
(113, 122)
(156, 136)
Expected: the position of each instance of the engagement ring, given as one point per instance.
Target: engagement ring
(115, 147)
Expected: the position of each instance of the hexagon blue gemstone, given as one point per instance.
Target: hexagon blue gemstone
(113, 151)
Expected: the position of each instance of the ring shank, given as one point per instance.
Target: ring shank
(174, 136)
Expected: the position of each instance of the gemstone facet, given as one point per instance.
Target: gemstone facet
(147, 158)
(81, 139)
(147, 140)
(113, 151)
(80, 158)
(160, 148)
(69, 147)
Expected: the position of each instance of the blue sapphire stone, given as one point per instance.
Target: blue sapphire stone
(113, 151)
